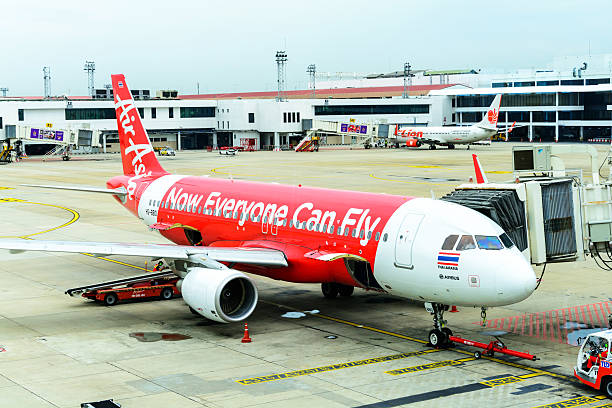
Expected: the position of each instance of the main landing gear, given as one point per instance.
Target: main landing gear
(432, 147)
(439, 337)
(331, 290)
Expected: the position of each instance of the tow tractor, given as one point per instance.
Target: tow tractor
(158, 285)
(593, 365)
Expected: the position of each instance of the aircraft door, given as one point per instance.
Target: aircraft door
(405, 239)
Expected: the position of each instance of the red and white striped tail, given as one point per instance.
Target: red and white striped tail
(481, 178)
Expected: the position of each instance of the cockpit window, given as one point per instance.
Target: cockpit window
(506, 240)
(488, 242)
(466, 242)
(449, 242)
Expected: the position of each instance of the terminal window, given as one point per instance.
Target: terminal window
(20, 114)
(141, 112)
(251, 117)
(153, 113)
(197, 112)
(370, 109)
(89, 113)
(170, 113)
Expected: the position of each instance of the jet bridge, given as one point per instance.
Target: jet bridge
(63, 139)
(550, 212)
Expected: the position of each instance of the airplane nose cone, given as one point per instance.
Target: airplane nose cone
(518, 280)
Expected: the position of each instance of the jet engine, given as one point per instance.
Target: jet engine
(223, 295)
(412, 142)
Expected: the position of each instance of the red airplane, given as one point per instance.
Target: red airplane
(418, 248)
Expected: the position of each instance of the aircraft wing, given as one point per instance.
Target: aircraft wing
(252, 256)
(121, 192)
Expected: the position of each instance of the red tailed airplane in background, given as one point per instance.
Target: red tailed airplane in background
(418, 248)
(449, 136)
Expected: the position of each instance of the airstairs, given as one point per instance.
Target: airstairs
(59, 150)
(309, 143)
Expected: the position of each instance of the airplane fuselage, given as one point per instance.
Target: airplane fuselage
(445, 135)
(395, 241)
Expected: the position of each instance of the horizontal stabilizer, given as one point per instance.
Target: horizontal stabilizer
(121, 191)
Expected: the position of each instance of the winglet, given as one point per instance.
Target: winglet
(133, 137)
(481, 178)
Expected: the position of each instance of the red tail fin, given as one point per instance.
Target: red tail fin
(136, 151)
(481, 178)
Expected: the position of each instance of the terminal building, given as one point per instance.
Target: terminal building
(568, 101)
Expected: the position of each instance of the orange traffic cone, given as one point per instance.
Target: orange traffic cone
(246, 338)
(454, 309)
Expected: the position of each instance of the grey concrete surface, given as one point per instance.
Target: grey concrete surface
(61, 351)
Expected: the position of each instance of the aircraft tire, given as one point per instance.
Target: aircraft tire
(166, 294)
(436, 338)
(111, 299)
(606, 386)
(447, 334)
(330, 290)
(346, 290)
(432, 147)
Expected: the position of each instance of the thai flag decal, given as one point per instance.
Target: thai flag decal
(448, 260)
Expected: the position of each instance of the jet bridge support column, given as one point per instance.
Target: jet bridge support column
(276, 141)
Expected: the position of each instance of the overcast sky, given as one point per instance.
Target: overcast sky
(229, 46)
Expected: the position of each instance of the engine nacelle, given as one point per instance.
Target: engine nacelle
(413, 142)
(223, 295)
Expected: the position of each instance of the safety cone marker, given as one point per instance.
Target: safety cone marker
(454, 309)
(246, 338)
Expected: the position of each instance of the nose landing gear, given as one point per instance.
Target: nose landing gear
(439, 337)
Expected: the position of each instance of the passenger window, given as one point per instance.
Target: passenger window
(331, 229)
(361, 233)
(449, 242)
(369, 234)
(506, 240)
(488, 242)
(466, 242)
(346, 232)
(377, 236)
(354, 232)
(385, 237)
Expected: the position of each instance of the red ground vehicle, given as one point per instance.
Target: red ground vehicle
(593, 367)
(157, 286)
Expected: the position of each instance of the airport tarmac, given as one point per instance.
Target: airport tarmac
(366, 350)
